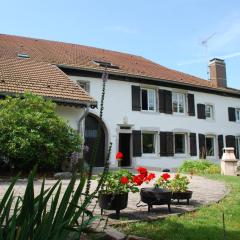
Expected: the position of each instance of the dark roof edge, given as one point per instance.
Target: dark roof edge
(72, 102)
(131, 78)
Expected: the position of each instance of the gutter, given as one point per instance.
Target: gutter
(237, 92)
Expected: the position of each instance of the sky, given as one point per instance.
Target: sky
(180, 34)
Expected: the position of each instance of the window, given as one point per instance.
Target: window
(209, 111)
(180, 143)
(210, 146)
(237, 114)
(178, 102)
(148, 143)
(84, 85)
(148, 99)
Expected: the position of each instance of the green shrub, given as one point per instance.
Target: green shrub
(199, 167)
(32, 133)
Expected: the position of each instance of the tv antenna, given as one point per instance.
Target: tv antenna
(204, 43)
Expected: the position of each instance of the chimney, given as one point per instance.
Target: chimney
(217, 70)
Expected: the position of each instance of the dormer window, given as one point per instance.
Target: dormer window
(105, 64)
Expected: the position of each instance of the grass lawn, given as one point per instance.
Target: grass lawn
(206, 223)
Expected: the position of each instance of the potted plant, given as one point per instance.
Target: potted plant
(178, 185)
(157, 195)
(117, 185)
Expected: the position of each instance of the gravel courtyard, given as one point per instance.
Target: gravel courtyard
(205, 191)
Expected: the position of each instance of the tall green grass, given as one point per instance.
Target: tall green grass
(46, 215)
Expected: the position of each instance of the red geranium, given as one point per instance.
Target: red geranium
(137, 180)
(124, 180)
(119, 156)
(166, 176)
(150, 176)
(142, 171)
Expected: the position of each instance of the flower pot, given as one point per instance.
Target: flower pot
(156, 196)
(182, 196)
(111, 201)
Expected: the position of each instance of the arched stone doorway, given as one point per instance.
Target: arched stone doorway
(90, 135)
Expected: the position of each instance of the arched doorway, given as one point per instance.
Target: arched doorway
(91, 127)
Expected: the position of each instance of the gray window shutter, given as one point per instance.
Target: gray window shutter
(136, 105)
(202, 147)
(191, 105)
(169, 142)
(193, 144)
(231, 114)
(220, 146)
(163, 145)
(137, 143)
(168, 102)
(201, 111)
(230, 141)
(166, 144)
(161, 99)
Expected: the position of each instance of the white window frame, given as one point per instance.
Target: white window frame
(178, 105)
(212, 112)
(214, 147)
(155, 100)
(185, 144)
(236, 114)
(155, 143)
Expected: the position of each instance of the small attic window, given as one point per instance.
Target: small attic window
(23, 55)
(105, 64)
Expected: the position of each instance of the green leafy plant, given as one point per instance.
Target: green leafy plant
(32, 133)
(179, 183)
(46, 215)
(199, 167)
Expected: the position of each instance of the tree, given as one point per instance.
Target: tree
(32, 133)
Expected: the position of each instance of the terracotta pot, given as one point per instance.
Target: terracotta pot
(110, 201)
(156, 196)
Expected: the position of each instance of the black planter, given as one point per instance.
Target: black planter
(182, 196)
(156, 196)
(115, 202)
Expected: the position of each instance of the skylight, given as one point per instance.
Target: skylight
(23, 55)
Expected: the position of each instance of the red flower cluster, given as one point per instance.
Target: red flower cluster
(143, 176)
(124, 180)
(165, 176)
(119, 156)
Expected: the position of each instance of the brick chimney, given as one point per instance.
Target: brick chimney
(217, 70)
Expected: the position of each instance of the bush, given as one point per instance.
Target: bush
(32, 133)
(199, 167)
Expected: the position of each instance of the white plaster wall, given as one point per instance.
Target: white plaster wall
(70, 114)
(118, 105)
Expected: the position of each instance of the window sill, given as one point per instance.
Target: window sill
(149, 155)
(183, 155)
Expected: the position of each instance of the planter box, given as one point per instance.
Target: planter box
(156, 196)
(115, 202)
(182, 196)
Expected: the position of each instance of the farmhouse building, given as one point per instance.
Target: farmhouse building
(156, 116)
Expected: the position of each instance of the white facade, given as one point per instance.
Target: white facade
(118, 110)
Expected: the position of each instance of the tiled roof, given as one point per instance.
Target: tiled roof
(79, 56)
(20, 75)
(83, 57)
